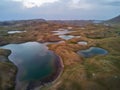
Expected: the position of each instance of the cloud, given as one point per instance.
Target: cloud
(79, 4)
(73, 4)
(113, 3)
(93, 4)
(59, 9)
(34, 3)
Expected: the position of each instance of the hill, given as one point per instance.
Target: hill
(115, 19)
(22, 22)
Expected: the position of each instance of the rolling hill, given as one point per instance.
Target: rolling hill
(115, 19)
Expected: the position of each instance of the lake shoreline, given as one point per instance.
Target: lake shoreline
(10, 72)
(50, 79)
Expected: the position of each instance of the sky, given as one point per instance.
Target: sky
(59, 9)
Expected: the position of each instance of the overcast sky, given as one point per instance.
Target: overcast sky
(59, 9)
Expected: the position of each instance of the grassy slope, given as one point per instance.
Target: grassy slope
(95, 73)
(7, 71)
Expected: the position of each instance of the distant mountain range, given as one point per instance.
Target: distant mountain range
(71, 22)
(22, 22)
(115, 20)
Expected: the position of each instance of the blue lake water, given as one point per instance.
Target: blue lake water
(92, 51)
(34, 61)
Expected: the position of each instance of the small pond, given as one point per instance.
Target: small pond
(13, 32)
(35, 63)
(58, 42)
(66, 37)
(61, 32)
(82, 43)
(92, 51)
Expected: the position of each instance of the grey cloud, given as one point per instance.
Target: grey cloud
(114, 3)
(103, 9)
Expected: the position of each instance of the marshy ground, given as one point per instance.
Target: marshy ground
(100, 72)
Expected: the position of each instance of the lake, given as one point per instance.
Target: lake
(35, 63)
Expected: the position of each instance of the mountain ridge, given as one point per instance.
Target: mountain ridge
(115, 19)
